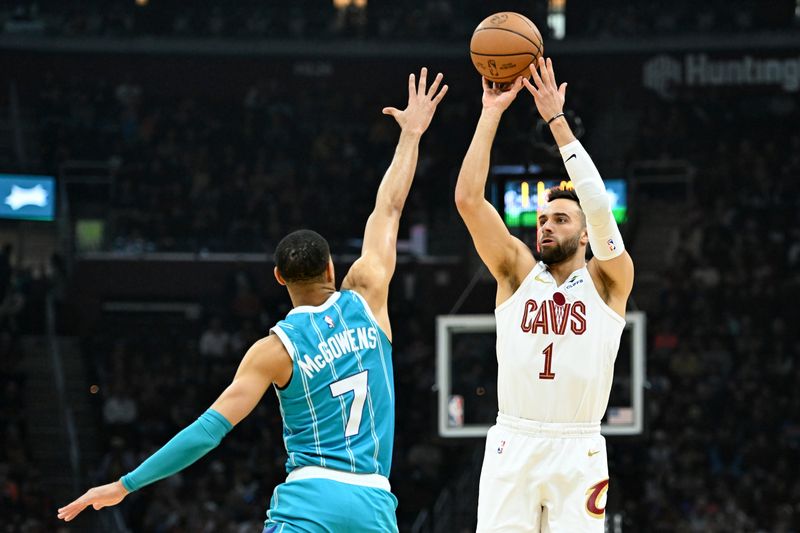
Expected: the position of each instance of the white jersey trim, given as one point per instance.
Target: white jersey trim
(316, 308)
(284, 338)
(375, 481)
(537, 269)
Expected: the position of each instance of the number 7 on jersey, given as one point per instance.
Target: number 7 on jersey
(357, 383)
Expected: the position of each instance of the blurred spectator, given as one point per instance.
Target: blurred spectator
(215, 341)
(23, 498)
(120, 411)
(245, 337)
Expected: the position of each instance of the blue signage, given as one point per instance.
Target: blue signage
(27, 197)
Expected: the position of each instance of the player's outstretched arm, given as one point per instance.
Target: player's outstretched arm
(371, 273)
(506, 256)
(265, 362)
(613, 265)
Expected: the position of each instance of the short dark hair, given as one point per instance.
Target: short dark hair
(302, 256)
(558, 193)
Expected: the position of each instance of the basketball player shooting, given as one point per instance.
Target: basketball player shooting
(330, 362)
(559, 323)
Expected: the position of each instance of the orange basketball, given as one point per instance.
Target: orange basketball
(503, 46)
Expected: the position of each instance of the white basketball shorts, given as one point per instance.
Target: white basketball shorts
(543, 478)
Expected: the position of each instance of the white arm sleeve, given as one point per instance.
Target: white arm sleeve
(604, 236)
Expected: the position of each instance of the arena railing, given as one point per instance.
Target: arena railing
(112, 521)
(67, 417)
(16, 42)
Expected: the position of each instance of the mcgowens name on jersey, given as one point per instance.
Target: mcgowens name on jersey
(337, 345)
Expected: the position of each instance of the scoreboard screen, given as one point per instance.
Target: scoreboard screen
(518, 192)
(522, 198)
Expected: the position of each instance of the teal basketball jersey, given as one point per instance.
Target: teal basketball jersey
(338, 407)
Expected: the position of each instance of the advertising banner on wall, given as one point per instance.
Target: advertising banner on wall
(665, 72)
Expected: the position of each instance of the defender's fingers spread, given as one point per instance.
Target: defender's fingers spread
(435, 84)
(440, 95)
(423, 80)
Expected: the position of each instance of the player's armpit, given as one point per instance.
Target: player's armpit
(368, 276)
(616, 279)
(266, 362)
(505, 256)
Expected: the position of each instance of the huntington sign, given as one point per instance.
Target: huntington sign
(663, 72)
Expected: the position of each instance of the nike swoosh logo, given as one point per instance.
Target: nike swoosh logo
(570, 157)
(537, 278)
(593, 453)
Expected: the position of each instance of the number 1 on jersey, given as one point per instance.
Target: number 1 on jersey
(357, 383)
(548, 362)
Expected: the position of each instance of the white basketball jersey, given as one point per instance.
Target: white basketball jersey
(556, 347)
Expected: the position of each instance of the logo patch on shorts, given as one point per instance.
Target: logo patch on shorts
(594, 494)
(501, 446)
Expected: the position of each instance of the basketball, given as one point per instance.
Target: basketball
(503, 45)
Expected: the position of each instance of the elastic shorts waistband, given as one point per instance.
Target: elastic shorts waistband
(376, 481)
(548, 429)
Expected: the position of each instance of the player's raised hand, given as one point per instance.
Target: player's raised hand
(499, 99)
(547, 94)
(422, 102)
(97, 497)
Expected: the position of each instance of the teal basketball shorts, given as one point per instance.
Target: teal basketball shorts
(326, 506)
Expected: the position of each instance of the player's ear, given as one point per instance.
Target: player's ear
(278, 276)
(584, 237)
(330, 274)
